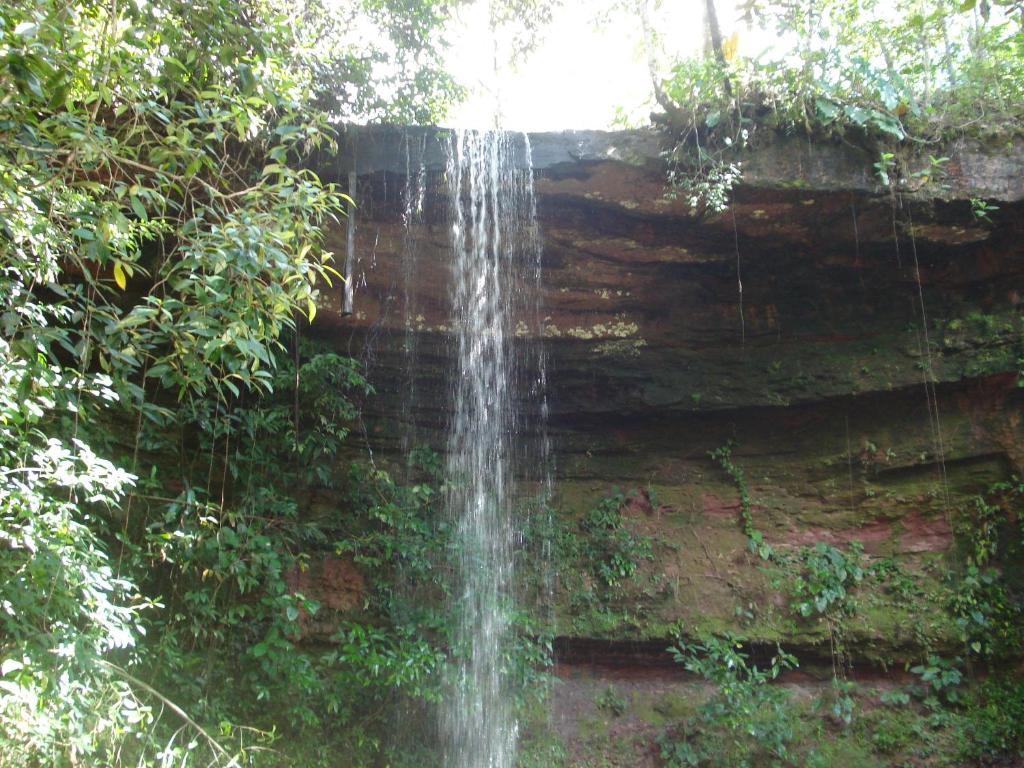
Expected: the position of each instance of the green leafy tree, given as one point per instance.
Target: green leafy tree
(158, 240)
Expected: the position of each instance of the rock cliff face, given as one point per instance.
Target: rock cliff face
(859, 348)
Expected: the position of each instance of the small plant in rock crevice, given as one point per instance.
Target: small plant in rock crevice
(986, 608)
(940, 679)
(611, 552)
(755, 539)
(827, 578)
(885, 168)
(981, 208)
(611, 701)
(747, 721)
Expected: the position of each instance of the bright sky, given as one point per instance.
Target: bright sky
(581, 73)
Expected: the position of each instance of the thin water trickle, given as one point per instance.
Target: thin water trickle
(495, 245)
(415, 191)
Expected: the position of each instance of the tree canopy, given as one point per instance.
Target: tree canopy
(158, 241)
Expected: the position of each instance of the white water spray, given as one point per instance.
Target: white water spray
(495, 247)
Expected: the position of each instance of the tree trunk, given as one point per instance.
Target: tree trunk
(715, 33)
(677, 119)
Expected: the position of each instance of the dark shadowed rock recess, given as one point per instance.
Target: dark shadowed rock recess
(801, 326)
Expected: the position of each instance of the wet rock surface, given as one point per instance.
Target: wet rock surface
(858, 346)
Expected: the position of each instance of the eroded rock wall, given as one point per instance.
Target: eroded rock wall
(859, 347)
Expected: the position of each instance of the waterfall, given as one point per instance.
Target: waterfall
(495, 280)
(415, 191)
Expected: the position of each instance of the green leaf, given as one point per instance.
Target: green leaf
(246, 78)
(31, 81)
(826, 109)
(857, 115)
(119, 276)
(139, 208)
(26, 30)
(887, 123)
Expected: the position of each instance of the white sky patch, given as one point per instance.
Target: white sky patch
(584, 73)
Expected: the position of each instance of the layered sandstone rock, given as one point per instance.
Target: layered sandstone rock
(859, 346)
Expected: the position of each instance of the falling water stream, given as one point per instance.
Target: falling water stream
(495, 251)
(415, 191)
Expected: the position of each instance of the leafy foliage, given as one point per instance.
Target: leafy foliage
(612, 553)
(995, 723)
(828, 576)
(877, 72)
(940, 677)
(745, 722)
(984, 601)
(611, 701)
(370, 60)
(159, 242)
(143, 249)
